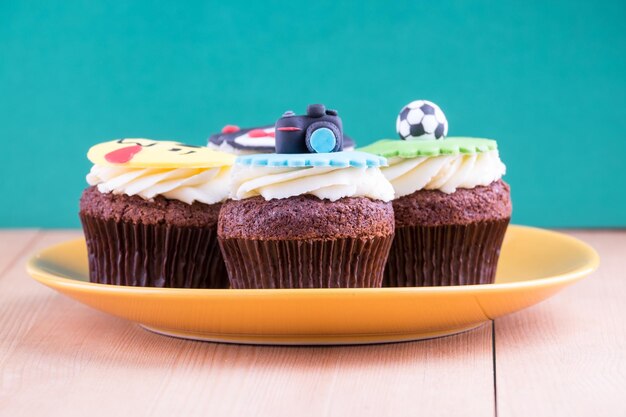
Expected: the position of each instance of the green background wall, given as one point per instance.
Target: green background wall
(547, 79)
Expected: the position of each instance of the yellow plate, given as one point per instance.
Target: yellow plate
(534, 265)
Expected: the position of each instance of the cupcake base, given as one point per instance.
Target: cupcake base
(158, 243)
(448, 239)
(305, 242)
(338, 263)
(423, 256)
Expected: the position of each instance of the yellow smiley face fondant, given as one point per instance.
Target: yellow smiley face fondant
(147, 153)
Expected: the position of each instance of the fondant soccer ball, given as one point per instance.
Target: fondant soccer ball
(421, 120)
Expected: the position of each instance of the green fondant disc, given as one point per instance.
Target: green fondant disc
(390, 148)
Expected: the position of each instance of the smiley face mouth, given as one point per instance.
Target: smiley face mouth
(123, 155)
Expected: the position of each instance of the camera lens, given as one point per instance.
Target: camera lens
(323, 137)
(322, 140)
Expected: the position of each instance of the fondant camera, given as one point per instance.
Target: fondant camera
(318, 132)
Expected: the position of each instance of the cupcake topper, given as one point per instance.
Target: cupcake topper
(319, 131)
(421, 120)
(148, 153)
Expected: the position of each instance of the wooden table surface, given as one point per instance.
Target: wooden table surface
(565, 356)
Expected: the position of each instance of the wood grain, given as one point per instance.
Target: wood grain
(12, 243)
(563, 357)
(59, 356)
(567, 356)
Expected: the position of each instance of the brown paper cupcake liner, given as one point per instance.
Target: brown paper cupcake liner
(336, 263)
(123, 253)
(423, 256)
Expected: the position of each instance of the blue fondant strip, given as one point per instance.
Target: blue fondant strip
(333, 159)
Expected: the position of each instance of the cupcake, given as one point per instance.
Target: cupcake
(252, 140)
(451, 206)
(150, 214)
(309, 216)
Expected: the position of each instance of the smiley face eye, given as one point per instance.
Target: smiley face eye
(184, 145)
(126, 140)
(180, 149)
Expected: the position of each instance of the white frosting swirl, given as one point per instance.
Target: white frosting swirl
(323, 182)
(205, 185)
(445, 173)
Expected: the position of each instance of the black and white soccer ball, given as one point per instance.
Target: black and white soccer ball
(421, 120)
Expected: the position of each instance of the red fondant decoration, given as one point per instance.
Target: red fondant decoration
(289, 129)
(257, 133)
(271, 134)
(230, 129)
(122, 155)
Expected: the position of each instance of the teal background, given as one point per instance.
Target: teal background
(546, 79)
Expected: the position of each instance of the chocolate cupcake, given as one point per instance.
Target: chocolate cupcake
(451, 206)
(247, 141)
(321, 219)
(150, 214)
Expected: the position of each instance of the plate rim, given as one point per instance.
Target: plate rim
(287, 339)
